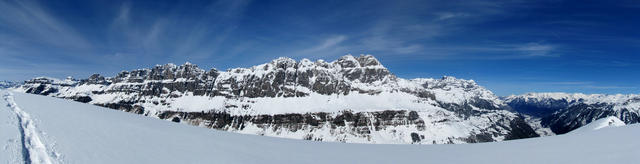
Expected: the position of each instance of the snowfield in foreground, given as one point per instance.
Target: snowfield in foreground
(62, 131)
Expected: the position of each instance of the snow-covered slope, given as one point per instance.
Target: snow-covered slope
(75, 132)
(10, 139)
(599, 124)
(351, 99)
(563, 112)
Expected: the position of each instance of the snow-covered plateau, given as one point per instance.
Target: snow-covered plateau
(40, 129)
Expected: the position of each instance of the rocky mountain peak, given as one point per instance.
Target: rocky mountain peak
(188, 71)
(284, 63)
(454, 79)
(347, 61)
(450, 81)
(322, 63)
(368, 60)
(96, 79)
(306, 63)
(167, 66)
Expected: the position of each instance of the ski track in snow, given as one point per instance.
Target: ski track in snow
(34, 150)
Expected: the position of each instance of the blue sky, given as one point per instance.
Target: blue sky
(510, 47)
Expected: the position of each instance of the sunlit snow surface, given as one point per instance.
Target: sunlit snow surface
(10, 138)
(84, 133)
(606, 122)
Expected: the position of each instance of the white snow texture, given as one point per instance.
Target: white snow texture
(85, 133)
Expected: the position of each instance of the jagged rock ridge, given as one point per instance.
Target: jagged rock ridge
(351, 99)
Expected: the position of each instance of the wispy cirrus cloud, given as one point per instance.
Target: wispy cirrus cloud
(407, 35)
(450, 15)
(494, 51)
(123, 14)
(330, 46)
(389, 37)
(33, 40)
(172, 35)
(384, 44)
(566, 83)
(459, 38)
(536, 49)
(208, 33)
(27, 19)
(33, 32)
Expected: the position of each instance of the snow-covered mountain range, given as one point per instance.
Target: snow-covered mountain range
(563, 112)
(352, 99)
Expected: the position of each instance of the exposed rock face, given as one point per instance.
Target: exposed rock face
(562, 112)
(352, 99)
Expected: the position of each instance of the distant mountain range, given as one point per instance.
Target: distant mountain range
(352, 99)
(8, 84)
(563, 112)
